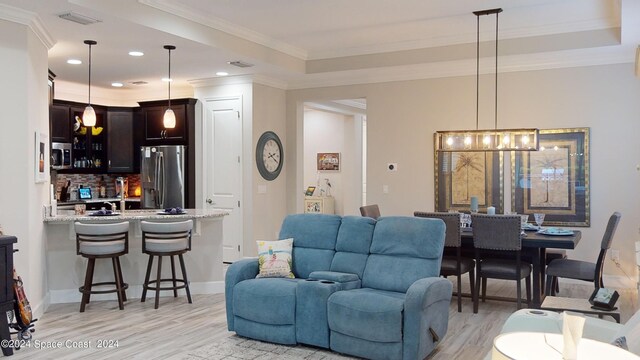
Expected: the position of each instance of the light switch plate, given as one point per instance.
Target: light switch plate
(385, 189)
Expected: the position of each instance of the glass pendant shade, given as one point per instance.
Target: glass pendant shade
(89, 116)
(169, 119)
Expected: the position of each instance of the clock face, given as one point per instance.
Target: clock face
(269, 155)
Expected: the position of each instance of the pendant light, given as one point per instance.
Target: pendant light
(169, 119)
(487, 140)
(89, 115)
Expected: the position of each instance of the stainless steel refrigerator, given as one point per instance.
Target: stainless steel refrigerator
(162, 176)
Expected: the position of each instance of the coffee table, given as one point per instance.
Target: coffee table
(557, 303)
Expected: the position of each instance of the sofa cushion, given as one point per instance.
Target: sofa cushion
(368, 314)
(631, 331)
(314, 240)
(333, 276)
(274, 258)
(352, 245)
(403, 245)
(268, 301)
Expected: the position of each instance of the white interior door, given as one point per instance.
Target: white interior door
(223, 170)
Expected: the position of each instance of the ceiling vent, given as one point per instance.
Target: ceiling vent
(78, 18)
(240, 64)
(141, 82)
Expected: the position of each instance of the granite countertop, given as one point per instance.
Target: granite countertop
(65, 216)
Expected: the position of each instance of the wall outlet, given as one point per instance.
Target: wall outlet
(615, 255)
(385, 189)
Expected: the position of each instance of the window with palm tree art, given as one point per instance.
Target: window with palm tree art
(461, 175)
(554, 180)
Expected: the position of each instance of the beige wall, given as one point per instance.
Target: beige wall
(269, 209)
(23, 98)
(402, 117)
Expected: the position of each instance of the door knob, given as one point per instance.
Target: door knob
(210, 202)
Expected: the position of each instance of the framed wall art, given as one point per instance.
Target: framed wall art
(41, 163)
(554, 180)
(328, 161)
(462, 175)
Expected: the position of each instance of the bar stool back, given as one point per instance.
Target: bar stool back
(166, 239)
(98, 241)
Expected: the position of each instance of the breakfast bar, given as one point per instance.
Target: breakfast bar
(65, 269)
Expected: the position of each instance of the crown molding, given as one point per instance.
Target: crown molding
(515, 63)
(226, 26)
(30, 19)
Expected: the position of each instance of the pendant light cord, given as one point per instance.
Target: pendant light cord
(477, 72)
(169, 78)
(89, 102)
(496, 94)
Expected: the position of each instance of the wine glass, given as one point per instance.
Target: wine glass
(539, 219)
(523, 223)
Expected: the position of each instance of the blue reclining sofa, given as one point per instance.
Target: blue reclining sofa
(362, 287)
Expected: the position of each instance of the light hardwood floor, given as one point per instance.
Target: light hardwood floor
(167, 333)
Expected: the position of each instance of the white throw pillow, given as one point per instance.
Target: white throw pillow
(274, 258)
(631, 331)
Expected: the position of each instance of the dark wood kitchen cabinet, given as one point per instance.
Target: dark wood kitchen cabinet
(120, 152)
(59, 123)
(154, 131)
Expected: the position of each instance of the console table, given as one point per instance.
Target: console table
(6, 287)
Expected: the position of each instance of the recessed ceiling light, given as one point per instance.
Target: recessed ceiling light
(74, 61)
(136, 53)
(222, 73)
(117, 84)
(166, 79)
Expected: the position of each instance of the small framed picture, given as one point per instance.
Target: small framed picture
(41, 163)
(328, 161)
(310, 191)
(604, 299)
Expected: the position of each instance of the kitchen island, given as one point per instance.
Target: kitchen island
(66, 269)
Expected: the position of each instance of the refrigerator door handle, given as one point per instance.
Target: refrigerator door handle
(161, 172)
(156, 182)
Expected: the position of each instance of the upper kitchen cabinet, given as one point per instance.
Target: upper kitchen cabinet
(154, 131)
(59, 123)
(89, 143)
(120, 144)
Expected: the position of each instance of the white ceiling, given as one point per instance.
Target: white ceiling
(298, 43)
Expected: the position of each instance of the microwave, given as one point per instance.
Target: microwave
(61, 156)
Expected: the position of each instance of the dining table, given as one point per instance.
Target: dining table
(534, 245)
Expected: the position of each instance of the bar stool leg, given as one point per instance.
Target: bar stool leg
(184, 276)
(145, 285)
(88, 280)
(124, 293)
(118, 282)
(173, 276)
(158, 282)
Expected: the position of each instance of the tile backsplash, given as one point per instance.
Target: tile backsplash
(93, 181)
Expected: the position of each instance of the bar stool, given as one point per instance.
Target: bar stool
(166, 239)
(101, 241)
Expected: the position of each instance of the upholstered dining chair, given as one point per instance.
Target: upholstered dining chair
(498, 234)
(582, 270)
(371, 211)
(453, 265)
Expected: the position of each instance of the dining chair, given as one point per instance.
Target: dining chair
(371, 211)
(498, 235)
(582, 270)
(453, 265)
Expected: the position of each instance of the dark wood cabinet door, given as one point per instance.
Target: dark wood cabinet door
(154, 126)
(60, 123)
(120, 154)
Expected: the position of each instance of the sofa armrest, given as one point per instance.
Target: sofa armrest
(426, 316)
(238, 271)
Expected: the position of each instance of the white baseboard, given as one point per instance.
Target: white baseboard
(134, 292)
(40, 308)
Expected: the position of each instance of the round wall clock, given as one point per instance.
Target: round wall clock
(269, 155)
